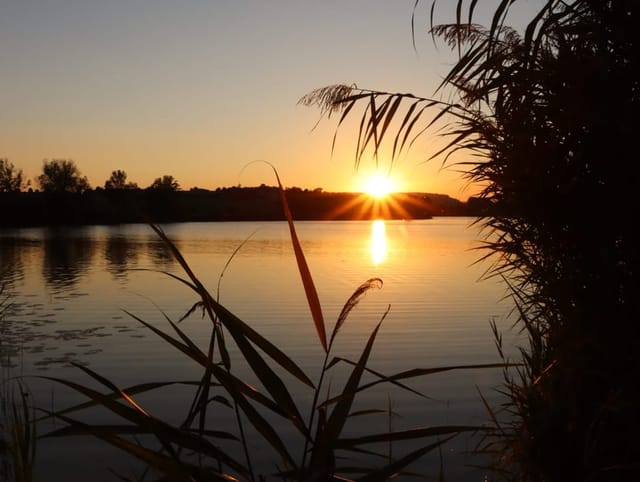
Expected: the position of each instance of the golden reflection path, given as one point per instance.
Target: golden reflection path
(378, 242)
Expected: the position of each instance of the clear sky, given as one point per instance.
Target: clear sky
(200, 88)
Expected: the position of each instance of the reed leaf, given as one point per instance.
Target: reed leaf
(164, 432)
(305, 274)
(411, 434)
(393, 469)
(383, 377)
(239, 329)
(340, 413)
(178, 256)
(389, 116)
(330, 431)
(20, 429)
(107, 383)
(176, 470)
(271, 381)
(190, 350)
(79, 429)
(254, 394)
(132, 390)
(256, 419)
(420, 372)
(345, 114)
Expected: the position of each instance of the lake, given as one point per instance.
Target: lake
(70, 288)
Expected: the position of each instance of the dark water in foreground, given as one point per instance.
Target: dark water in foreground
(70, 287)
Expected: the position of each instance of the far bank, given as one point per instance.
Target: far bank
(117, 206)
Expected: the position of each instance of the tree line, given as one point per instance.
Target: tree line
(63, 175)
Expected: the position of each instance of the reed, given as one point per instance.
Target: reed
(17, 419)
(541, 119)
(193, 450)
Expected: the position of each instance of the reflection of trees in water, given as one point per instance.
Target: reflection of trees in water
(121, 254)
(160, 254)
(66, 258)
(11, 261)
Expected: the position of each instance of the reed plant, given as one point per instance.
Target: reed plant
(17, 417)
(543, 119)
(319, 450)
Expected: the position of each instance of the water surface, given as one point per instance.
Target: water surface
(70, 289)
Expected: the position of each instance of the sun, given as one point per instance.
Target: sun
(378, 186)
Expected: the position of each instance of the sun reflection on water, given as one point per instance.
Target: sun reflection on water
(378, 242)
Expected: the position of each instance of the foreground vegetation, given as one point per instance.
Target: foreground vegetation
(545, 120)
(305, 438)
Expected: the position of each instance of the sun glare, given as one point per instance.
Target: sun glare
(378, 186)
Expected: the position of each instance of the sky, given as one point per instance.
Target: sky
(199, 89)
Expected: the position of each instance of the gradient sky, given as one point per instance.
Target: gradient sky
(200, 88)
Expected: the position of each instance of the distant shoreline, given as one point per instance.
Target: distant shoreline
(125, 206)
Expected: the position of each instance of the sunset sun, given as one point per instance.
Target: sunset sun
(379, 186)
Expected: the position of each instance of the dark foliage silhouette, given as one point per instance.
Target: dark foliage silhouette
(11, 179)
(118, 180)
(165, 183)
(62, 175)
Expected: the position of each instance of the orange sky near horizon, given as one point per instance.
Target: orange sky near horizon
(200, 89)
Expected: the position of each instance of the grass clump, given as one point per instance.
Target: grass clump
(17, 420)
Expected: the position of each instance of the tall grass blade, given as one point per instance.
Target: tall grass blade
(393, 469)
(175, 470)
(381, 376)
(305, 274)
(191, 350)
(132, 390)
(420, 372)
(270, 380)
(331, 430)
(256, 419)
(21, 430)
(165, 433)
(411, 434)
(79, 429)
(112, 386)
(238, 328)
(341, 411)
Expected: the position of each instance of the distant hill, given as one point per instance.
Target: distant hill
(223, 204)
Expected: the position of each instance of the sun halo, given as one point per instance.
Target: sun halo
(378, 186)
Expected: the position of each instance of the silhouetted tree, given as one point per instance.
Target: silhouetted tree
(118, 180)
(62, 175)
(547, 120)
(165, 183)
(11, 179)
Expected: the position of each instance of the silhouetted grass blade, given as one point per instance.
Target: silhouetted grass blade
(307, 281)
(165, 433)
(175, 469)
(190, 350)
(333, 427)
(256, 419)
(419, 372)
(239, 329)
(393, 469)
(411, 434)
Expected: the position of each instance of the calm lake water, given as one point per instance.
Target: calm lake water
(70, 287)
